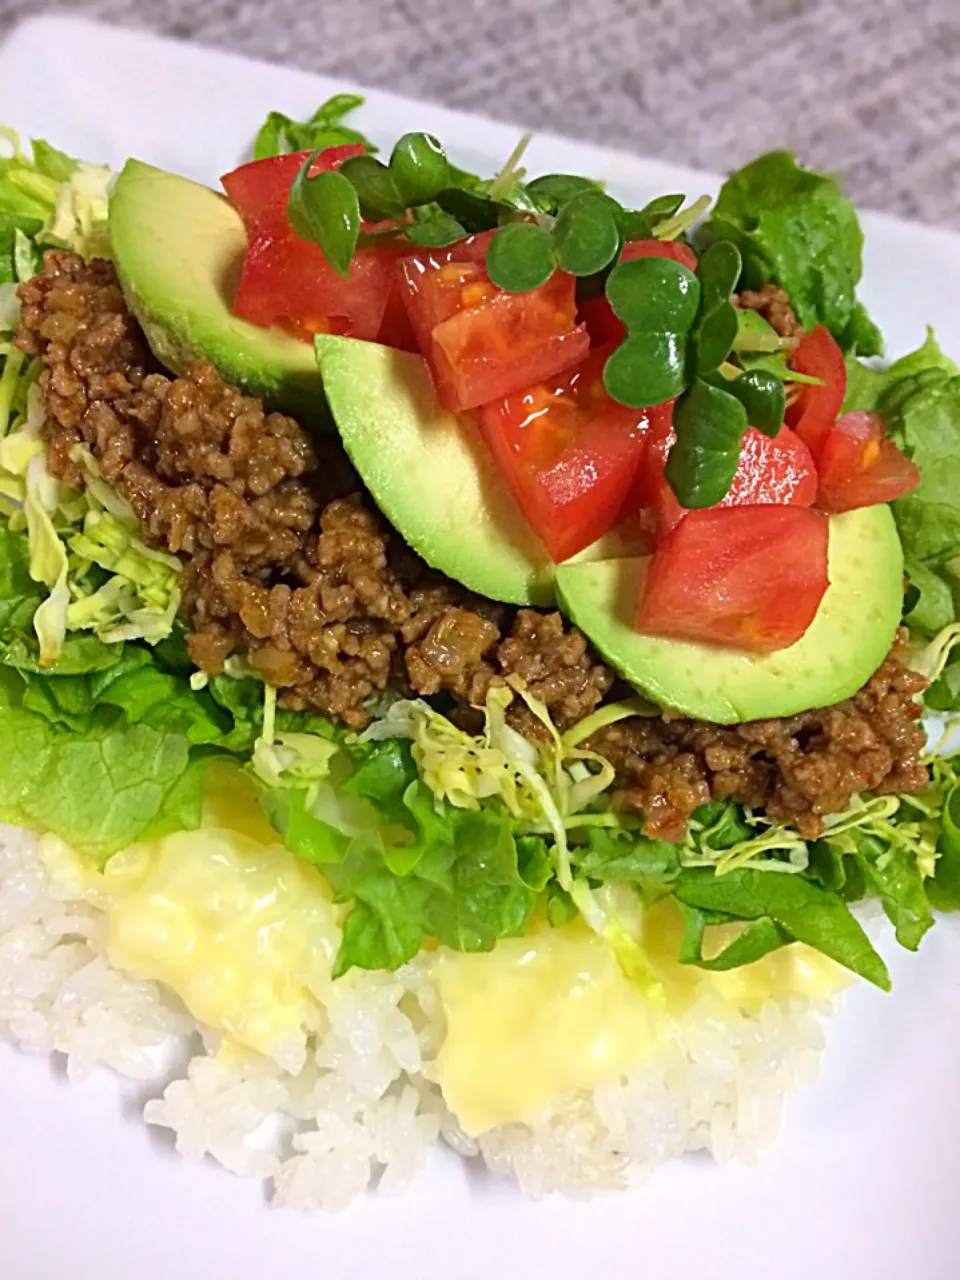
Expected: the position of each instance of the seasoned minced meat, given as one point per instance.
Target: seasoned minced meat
(797, 769)
(287, 564)
(282, 564)
(773, 303)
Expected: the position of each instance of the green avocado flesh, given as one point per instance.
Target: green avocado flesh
(846, 642)
(178, 249)
(430, 472)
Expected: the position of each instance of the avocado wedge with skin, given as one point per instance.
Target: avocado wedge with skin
(846, 642)
(178, 248)
(430, 472)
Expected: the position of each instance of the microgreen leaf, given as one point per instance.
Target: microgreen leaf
(662, 207)
(419, 168)
(376, 188)
(473, 211)
(586, 236)
(657, 300)
(717, 270)
(764, 397)
(279, 134)
(715, 337)
(520, 257)
(710, 424)
(647, 368)
(325, 209)
(553, 190)
(654, 293)
(435, 232)
(640, 224)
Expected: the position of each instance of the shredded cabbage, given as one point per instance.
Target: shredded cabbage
(77, 537)
(79, 217)
(289, 759)
(549, 787)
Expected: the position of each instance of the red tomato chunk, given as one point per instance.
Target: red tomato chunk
(813, 414)
(568, 453)
(480, 342)
(859, 468)
(266, 183)
(748, 577)
(288, 281)
(778, 471)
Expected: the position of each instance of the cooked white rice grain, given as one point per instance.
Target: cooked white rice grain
(351, 1103)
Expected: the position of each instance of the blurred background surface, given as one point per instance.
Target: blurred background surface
(867, 88)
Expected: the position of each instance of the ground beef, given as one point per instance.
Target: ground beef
(284, 561)
(773, 303)
(798, 769)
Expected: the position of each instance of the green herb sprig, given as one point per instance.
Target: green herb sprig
(681, 327)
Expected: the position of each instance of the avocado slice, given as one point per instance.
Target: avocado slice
(178, 248)
(846, 642)
(430, 472)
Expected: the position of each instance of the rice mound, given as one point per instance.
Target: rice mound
(353, 1104)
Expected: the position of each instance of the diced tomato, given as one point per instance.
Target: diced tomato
(815, 411)
(860, 468)
(287, 281)
(480, 342)
(568, 454)
(266, 183)
(778, 472)
(597, 314)
(747, 577)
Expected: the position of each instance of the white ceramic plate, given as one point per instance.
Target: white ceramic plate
(862, 1185)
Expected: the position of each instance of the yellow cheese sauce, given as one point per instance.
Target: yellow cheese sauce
(553, 1013)
(246, 934)
(243, 931)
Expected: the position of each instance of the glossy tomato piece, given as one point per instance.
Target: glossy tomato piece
(814, 412)
(480, 342)
(597, 314)
(859, 467)
(288, 282)
(779, 471)
(747, 577)
(568, 454)
(266, 183)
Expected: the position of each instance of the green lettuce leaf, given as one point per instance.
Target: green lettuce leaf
(796, 228)
(101, 787)
(412, 867)
(793, 906)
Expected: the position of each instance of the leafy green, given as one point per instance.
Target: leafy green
(520, 257)
(280, 134)
(102, 784)
(710, 425)
(657, 300)
(800, 909)
(919, 397)
(943, 890)
(326, 210)
(420, 868)
(796, 228)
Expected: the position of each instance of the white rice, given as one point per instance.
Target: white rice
(353, 1105)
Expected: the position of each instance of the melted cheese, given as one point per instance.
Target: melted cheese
(243, 932)
(553, 1013)
(533, 1019)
